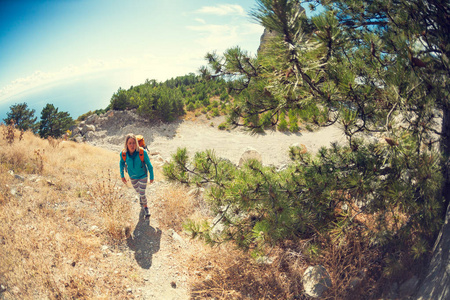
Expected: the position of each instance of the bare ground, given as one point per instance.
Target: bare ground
(158, 249)
(202, 134)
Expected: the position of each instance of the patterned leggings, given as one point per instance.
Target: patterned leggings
(140, 185)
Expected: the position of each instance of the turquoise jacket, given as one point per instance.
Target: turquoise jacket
(135, 168)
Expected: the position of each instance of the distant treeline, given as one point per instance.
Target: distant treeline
(153, 100)
(170, 99)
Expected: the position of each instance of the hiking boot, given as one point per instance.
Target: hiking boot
(146, 212)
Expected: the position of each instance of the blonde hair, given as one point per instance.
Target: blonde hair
(130, 136)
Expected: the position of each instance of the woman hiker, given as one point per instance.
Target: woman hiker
(137, 164)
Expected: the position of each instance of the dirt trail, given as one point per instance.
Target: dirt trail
(153, 248)
(200, 136)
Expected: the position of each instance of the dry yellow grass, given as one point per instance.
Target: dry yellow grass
(67, 204)
(60, 206)
(223, 272)
(174, 206)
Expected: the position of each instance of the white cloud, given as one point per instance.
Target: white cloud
(222, 37)
(40, 78)
(222, 10)
(217, 36)
(252, 29)
(134, 69)
(214, 36)
(200, 20)
(211, 29)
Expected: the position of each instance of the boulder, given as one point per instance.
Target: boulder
(316, 281)
(249, 153)
(175, 235)
(78, 138)
(92, 119)
(90, 135)
(408, 287)
(87, 128)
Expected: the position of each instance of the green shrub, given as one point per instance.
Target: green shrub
(190, 107)
(282, 123)
(223, 126)
(215, 112)
(266, 120)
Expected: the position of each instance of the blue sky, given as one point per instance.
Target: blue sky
(76, 53)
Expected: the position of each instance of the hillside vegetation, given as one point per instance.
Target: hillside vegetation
(368, 211)
(170, 99)
(66, 224)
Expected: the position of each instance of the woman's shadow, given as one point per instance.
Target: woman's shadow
(145, 241)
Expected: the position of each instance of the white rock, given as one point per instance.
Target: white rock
(249, 153)
(92, 119)
(316, 281)
(175, 235)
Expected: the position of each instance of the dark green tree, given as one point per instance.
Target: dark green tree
(22, 116)
(377, 67)
(120, 100)
(54, 123)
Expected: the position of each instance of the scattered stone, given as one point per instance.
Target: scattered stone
(34, 178)
(408, 287)
(78, 138)
(89, 135)
(175, 235)
(195, 191)
(249, 153)
(87, 128)
(92, 119)
(158, 158)
(173, 284)
(264, 260)
(76, 130)
(21, 178)
(354, 282)
(282, 168)
(15, 290)
(316, 281)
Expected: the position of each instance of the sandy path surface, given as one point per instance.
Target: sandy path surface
(273, 146)
(154, 249)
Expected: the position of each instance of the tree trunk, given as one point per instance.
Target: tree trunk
(445, 149)
(436, 284)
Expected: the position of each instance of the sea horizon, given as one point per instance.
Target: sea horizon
(76, 97)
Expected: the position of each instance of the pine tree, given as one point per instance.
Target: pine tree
(22, 116)
(54, 123)
(374, 66)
